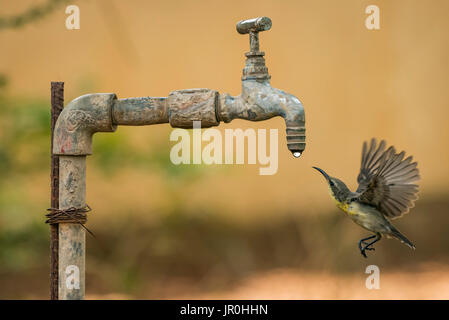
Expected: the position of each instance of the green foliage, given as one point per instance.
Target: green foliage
(32, 14)
(23, 248)
(24, 135)
(113, 151)
(3, 81)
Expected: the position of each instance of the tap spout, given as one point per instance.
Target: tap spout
(259, 101)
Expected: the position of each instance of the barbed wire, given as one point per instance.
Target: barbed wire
(30, 15)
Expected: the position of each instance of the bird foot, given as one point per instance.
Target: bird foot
(364, 246)
(367, 247)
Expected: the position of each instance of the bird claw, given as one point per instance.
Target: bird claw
(364, 245)
(362, 251)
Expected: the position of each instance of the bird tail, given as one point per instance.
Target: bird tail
(396, 234)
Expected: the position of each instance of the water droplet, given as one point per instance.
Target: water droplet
(296, 154)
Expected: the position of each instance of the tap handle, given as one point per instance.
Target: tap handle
(255, 63)
(254, 25)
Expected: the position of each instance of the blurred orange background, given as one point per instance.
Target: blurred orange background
(354, 83)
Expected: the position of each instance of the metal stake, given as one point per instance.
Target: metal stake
(57, 103)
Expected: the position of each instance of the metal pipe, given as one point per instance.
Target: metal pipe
(72, 236)
(140, 111)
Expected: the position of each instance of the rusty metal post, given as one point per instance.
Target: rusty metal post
(57, 103)
(72, 236)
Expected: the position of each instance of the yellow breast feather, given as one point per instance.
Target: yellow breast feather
(343, 206)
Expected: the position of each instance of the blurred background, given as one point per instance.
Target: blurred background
(198, 231)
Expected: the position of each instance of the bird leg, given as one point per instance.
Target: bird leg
(362, 241)
(368, 245)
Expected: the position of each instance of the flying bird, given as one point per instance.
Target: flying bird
(386, 191)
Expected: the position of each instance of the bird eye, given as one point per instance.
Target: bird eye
(331, 183)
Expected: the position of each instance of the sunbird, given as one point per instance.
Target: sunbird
(386, 191)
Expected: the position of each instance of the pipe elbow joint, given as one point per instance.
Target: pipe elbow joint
(79, 120)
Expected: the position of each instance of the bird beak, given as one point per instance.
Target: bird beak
(323, 173)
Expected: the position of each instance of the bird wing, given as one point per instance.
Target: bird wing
(385, 179)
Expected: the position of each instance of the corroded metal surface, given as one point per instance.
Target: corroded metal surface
(140, 111)
(254, 25)
(72, 236)
(79, 120)
(186, 106)
(255, 68)
(180, 109)
(57, 104)
(259, 101)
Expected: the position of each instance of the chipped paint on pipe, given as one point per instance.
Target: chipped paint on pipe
(102, 112)
(180, 109)
(186, 106)
(72, 237)
(140, 111)
(79, 120)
